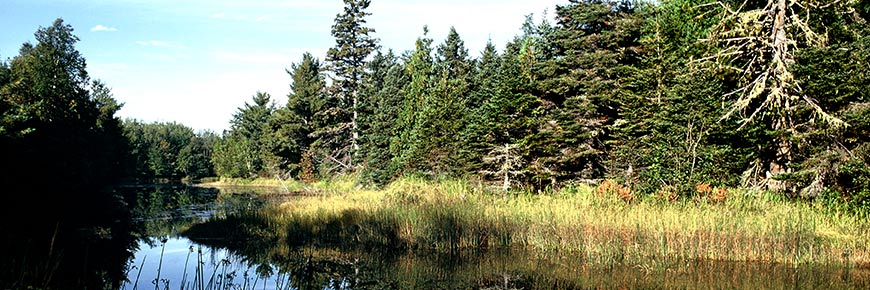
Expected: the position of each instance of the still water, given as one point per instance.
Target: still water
(186, 237)
(175, 249)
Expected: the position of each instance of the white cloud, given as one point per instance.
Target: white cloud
(218, 15)
(100, 27)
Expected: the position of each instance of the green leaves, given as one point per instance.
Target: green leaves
(47, 99)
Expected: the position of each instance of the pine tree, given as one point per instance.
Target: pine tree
(761, 40)
(419, 69)
(382, 101)
(347, 62)
(290, 127)
(248, 127)
(594, 43)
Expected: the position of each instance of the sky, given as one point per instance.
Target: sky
(197, 61)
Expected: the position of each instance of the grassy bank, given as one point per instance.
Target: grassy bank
(264, 182)
(604, 224)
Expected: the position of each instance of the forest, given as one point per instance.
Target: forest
(633, 134)
(653, 96)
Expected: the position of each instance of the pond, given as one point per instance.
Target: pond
(192, 234)
(185, 237)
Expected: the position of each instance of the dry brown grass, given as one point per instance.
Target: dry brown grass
(606, 224)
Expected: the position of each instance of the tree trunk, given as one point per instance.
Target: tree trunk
(781, 59)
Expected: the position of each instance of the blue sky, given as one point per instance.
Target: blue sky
(197, 61)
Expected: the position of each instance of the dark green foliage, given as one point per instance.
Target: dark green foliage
(381, 101)
(510, 114)
(289, 128)
(837, 77)
(668, 132)
(195, 159)
(61, 147)
(53, 120)
(610, 90)
(434, 139)
(235, 157)
(347, 62)
(250, 121)
(242, 152)
(168, 150)
(595, 45)
(476, 138)
(419, 69)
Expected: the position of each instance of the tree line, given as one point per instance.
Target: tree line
(657, 96)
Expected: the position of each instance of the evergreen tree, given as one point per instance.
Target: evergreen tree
(242, 152)
(829, 159)
(290, 127)
(667, 136)
(409, 142)
(762, 39)
(511, 116)
(382, 100)
(595, 43)
(441, 118)
(476, 141)
(347, 61)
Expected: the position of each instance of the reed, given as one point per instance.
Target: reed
(604, 225)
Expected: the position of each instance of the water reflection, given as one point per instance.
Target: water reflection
(165, 260)
(255, 240)
(68, 240)
(184, 237)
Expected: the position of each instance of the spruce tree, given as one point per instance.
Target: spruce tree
(347, 62)
(248, 127)
(444, 112)
(476, 140)
(419, 69)
(594, 43)
(382, 101)
(762, 39)
(290, 127)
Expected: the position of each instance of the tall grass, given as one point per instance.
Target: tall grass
(603, 226)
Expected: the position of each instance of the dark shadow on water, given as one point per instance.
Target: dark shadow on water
(314, 257)
(101, 243)
(64, 240)
(52, 239)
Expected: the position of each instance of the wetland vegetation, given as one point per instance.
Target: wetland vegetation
(640, 144)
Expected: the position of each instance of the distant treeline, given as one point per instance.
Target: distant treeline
(168, 151)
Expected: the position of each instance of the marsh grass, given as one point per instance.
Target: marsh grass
(605, 227)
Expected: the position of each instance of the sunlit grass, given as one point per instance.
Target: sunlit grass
(602, 226)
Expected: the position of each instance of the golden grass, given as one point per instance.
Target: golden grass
(604, 226)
